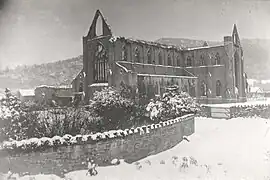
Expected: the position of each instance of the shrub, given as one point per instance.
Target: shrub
(171, 105)
(25, 120)
(31, 106)
(64, 121)
(13, 123)
(262, 111)
(116, 108)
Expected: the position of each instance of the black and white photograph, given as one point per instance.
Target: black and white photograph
(134, 89)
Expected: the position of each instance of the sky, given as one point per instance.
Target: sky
(38, 31)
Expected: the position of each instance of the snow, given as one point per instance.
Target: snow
(251, 82)
(204, 47)
(255, 89)
(98, 84)
(234, 149)
(27, 92)
(265, 81)
(166, 76)
(54, 87)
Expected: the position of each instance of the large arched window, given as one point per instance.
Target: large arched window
(100, 64)
(160, 58)
(137, 55)
(188, 62)
(178, 60)
(149, 57)
(218, 88)
(203, 89)
(157, 88)
(169, 60)
(202, 61)
(217, 59)
(124, 53)
(99, 26)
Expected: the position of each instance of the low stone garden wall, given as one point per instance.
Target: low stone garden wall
(242, 110)
(58, 154)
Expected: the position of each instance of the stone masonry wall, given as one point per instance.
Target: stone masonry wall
(133, 147)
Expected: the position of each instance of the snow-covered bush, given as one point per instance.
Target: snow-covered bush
(13, 121)
(171, 105)
(116, 108)
(20, 121)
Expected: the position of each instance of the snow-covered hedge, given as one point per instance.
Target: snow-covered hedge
(34, 144)
(251, 110)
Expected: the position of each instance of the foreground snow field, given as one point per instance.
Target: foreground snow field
(225, 149)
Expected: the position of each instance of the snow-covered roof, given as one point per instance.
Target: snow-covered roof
(255, 89)
(168, 76)
(98, 84)
(204, 47)
(54, 87)
(27, 92)
(265, 81)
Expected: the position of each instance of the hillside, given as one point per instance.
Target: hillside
(55, 73)
(256, 53)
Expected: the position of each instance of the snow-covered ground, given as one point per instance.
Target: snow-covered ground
(225, 149)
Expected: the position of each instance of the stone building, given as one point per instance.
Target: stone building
(26, 95)
(61, 95)
(212, 74)
(77, 82)
(77, 87)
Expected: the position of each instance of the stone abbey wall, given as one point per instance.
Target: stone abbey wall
(132, 147)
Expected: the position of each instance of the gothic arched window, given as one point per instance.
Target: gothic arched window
(149, 57)
(217, 59)
(218, 88)
(188, 62)
(100, 64)
(81, 87)
(178, 60)
(160, 58)
(157, 88)
(137, 55)
(203, 89)
(124, 53)
(202, 61)
(169, 59)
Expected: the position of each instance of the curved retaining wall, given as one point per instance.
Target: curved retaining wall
(69, 158)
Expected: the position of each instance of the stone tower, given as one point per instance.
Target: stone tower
(235, 65)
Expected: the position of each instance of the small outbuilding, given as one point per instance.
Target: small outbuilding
(26, 94)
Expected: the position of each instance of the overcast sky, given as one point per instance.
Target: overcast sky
(36, 31)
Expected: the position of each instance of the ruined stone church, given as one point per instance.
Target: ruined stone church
(211, 74)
